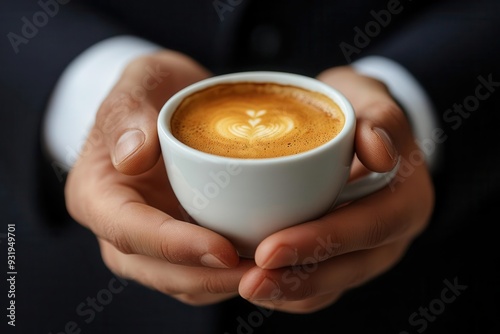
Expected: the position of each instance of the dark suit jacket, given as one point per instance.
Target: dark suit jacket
(447, 283)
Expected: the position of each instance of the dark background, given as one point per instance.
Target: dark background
(447, 45)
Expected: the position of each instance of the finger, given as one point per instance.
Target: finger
(192, 285)
(136, 228)
(382, 130)
(127, 118)
(357, 226)
(381, 134)
(115, 208)
(130, 134)
(118, 213)
(374, 147)
(317, 279)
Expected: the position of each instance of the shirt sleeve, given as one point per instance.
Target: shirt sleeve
(81, 89)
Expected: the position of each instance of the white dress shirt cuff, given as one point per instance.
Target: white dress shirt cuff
(413, 99)
(79, 92)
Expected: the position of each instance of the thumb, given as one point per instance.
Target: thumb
(127, 119)
(374, 143)
(128, 127)
(134, 147)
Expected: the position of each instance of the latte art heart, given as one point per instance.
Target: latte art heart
(253, 127)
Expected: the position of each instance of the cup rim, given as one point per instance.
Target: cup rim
(286, 78)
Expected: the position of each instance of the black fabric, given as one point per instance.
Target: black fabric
(450, 46)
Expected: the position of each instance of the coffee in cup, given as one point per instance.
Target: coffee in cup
(251, 120)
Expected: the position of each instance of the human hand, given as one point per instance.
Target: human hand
(119, 189)
(309, 266)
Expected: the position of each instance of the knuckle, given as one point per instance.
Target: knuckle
(115, 110)
(137, 63)
(140, 64)
(166, 250)
(307, 291)
(212, 284)
(378, 232)
(391, 113)
(116, 237)
(388, 111)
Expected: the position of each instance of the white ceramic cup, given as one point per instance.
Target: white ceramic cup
(247, 200)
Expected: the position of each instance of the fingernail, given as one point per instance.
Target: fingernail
(210, 260)
(387, 141)
(128, 143)
(267, 290)
(283, 257)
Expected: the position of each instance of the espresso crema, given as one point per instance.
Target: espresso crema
(256, 120)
